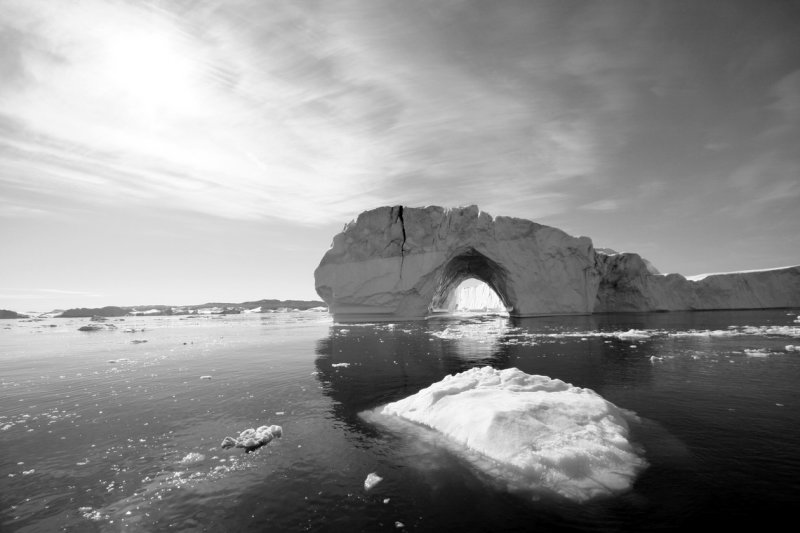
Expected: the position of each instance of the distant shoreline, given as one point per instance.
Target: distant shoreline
(211, 308)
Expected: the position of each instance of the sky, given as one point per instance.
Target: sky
(182, 152)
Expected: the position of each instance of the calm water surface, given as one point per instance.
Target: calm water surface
(101, 433)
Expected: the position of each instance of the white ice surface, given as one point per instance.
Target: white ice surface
(554, 436)
(700, 277)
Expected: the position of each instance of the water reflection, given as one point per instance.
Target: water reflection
(362, 365)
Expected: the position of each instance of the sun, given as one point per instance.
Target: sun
(152, 70)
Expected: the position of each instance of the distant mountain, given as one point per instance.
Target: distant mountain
(102, 311)
(5, 313)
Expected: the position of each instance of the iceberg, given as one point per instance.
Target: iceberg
(545, 435)
(397, 262)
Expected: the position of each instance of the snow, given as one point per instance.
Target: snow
(547, 435)
(699, 277)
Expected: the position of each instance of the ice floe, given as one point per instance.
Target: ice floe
(97, 327)
(548, 434)
(192, 458)
(372, 480)
(251, 439)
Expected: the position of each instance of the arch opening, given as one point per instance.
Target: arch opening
(475, 296)
(471, 282)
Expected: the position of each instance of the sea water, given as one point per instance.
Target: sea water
(120, 429)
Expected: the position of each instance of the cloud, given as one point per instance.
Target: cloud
(313, 112)
(601, 205)
(281, 113)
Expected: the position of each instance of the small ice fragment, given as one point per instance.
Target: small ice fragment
(386, 500)
(399, 525)
(192, 458)
(791, 348)
(372, 480)
(251, 439)
(28, 472)
(779, 404)
(279, 413)
(340, 365)
(205, 377)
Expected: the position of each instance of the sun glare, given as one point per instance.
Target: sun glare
(151, 69)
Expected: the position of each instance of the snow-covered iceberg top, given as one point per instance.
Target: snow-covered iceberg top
(554, 436)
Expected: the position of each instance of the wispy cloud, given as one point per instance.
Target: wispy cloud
(601, 205)
(238, 111)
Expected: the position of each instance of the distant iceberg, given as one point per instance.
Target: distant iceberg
(547, 435)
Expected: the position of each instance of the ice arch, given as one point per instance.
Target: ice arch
(396, 262)
(475, 296)
(400, 262)
(470, 265)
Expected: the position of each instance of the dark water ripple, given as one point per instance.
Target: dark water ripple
(98, 433)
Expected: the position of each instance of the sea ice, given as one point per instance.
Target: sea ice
(193, 458)
(97, 327)
(251, 439)
(633, 334)
(340, 365)
(372, 480)
(547, 434)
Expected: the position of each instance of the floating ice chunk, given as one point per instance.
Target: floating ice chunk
(340, 365)
(633, 334)
(251, 439)
(97, 327)
(790, 348)
(547, 434)
(205, 377)
(193, 458)
(757, 353)
(90, 514)
(372, 480)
